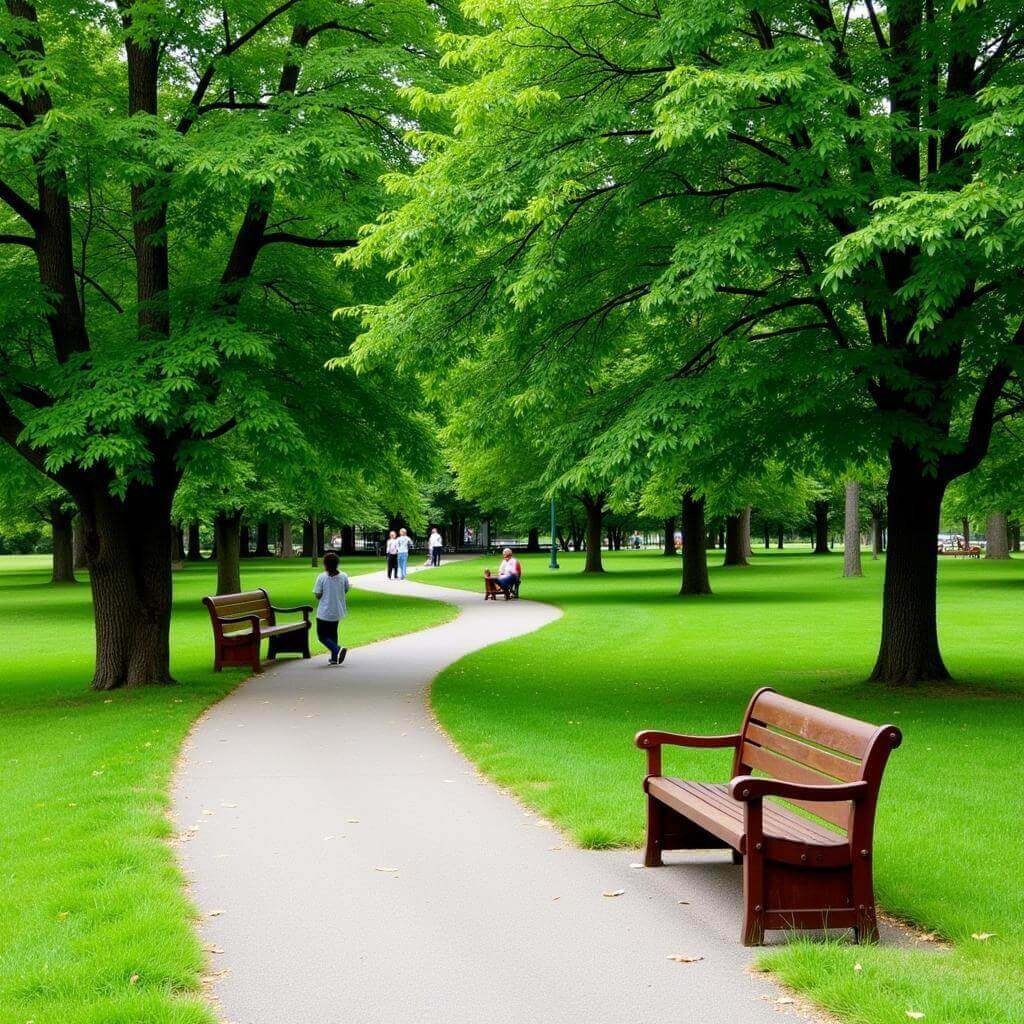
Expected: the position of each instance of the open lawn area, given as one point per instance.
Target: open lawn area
(552, 715)
(94, 924)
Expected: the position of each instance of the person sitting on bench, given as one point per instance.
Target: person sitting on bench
(509, 572)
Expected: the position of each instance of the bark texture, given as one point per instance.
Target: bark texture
(997, 540)
(851, 531)
(78, 544)
(594, 507)
(63, 544)
(244, 538)
(128, 546)
(877, 528)
(735, 541)
(262, 539)
(748, 548)
(284, 547)
(670, 537)
(227, 527)
(533, 541)
(821, 528)
(695, 555)
(909, 650)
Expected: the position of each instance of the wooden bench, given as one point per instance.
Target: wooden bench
(492, 591)
(241, 621)
(798, 871)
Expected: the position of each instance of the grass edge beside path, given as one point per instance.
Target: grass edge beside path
(550, 717)
(95, 923)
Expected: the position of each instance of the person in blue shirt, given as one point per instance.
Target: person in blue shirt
(330, 589)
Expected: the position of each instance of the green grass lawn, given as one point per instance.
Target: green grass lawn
(554, 722)
(94, 925)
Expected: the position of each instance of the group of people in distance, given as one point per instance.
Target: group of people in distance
(398, 546)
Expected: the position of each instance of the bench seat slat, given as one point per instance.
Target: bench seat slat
(777, 767)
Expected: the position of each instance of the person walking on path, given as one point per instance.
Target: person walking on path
(391, 549)
(434, 545)
(330, 589)
(404, 542)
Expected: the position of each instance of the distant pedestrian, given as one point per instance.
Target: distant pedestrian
(330, 589)
(434, 546)
(404, 542)
(391, 549)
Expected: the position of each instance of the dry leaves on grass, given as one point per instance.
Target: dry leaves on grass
(983, 936)
(915, 1014)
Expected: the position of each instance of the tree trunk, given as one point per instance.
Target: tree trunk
(670, 537)
(997, 541)
(307, 538)
(128, 546)
(695, 555)
(262, 539)
(851, 532)
(321, 534)
(595, 514)
(909, 651)
(767, 537)
(177, 546)
(243, 541)
(781, 542)
(284, 548)
(78, 544)
(965, 529)
(63, 544)
(227, 527)
(533, 541)
(821, 528)
(348, 540)
(194, 544)
(1015, 535)
(721, 538)
(748, 548)
(735, 549)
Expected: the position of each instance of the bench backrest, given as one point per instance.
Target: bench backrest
(252, 602)
(797, 742)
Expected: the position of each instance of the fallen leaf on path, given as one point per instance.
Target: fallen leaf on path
(613, 892)
(681, 958)
(785, 1000)
(213, 949)
(352, 821)
(229, 805)
(636, 865)
(215, 913)
(553, 898)
(385, 869)
(684, 903)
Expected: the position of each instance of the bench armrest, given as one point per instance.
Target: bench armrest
(254, 620)
(748, 787)
(652, 741)
(306, 609)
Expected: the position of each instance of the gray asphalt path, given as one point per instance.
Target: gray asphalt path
(352, 868)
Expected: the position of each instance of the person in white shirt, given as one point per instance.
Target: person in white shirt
(510, 572)
(329, 590)
(391, 549)
(404, 542)
(434, 545)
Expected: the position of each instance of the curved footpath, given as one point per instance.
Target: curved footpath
(353, 868)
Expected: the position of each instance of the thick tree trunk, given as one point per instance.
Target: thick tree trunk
(781, 542)
(227, 528)
(595, 514)
(1015, 535)
(63, 544)
(851, 531)
(177, 547)
(965, 529)
(821, 528)
(670, 537)
(735, 548)
(78, 544)
(194, 553)
(748, 548)
(128, 545)
(877, 535)
(721, 538)
(244, 537)
(909, 651)
(307, 539)
(262, 539)
(284, 547)
(533, 541)
(767, 537)
(695, 555)
(997, 541)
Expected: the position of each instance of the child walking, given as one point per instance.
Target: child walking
(330, 589)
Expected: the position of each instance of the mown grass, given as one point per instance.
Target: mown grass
(94, 924)
(552, 716)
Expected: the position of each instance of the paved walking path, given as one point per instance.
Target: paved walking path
(352, 868)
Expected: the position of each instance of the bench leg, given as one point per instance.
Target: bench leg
(737, 857)
(863, 893)
(753, 899)
(305, 644)
(655, 833)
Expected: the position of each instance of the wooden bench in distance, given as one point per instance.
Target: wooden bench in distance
(492, 591)
(241, 621)
(798, 872)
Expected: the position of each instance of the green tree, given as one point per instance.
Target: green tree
(171, 174)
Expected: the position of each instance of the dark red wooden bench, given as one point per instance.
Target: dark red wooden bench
(492, 591)
(798, 871)
(242, 621)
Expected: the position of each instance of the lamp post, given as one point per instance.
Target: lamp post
(554, 538)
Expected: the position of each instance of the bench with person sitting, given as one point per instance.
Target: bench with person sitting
(507, 580)
(241, 621)
(798, 871)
